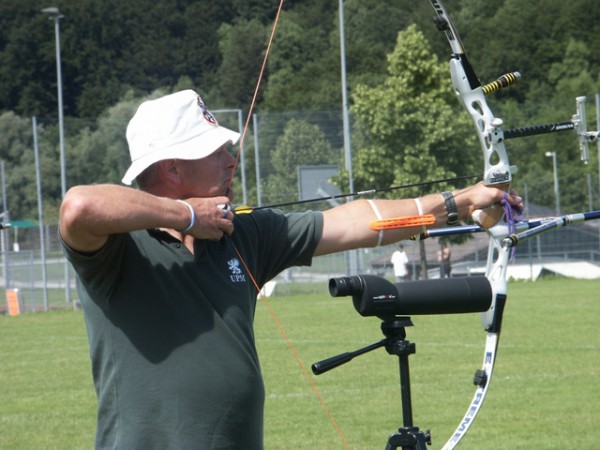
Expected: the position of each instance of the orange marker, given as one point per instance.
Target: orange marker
(402, 222)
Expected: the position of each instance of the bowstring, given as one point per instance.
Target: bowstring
(258, 289)
(255, 95)
(305, 371)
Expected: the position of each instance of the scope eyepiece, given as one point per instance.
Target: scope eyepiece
(345, 286)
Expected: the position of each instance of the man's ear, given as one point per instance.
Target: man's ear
(169, 170)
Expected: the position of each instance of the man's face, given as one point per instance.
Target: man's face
(210, 176)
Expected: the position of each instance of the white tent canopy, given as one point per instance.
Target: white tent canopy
(579, 269)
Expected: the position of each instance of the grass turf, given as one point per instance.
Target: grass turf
(545, 392)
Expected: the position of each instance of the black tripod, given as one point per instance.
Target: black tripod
(408, 437)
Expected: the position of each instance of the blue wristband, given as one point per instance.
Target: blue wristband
(193, 217)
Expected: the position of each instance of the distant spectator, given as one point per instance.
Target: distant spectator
(400, 263)
(443, 257)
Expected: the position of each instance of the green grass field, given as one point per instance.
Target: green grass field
(545, 393)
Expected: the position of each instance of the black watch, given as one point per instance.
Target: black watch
(450, 208)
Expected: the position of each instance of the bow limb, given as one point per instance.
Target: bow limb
(497, 171)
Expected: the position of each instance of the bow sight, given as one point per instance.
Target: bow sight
(578, 123)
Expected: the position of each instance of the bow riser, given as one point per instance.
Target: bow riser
(487, 126)
(497, 170)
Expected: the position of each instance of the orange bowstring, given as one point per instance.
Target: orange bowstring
(255, 95)
(258, 289)
(293, 349)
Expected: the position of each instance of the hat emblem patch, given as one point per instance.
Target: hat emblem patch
(206, 113)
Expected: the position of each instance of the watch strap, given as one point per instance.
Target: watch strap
(451, 208)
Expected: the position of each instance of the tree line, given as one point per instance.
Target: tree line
(406, 124)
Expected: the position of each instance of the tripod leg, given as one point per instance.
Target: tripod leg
(408, 437)
(405, 384)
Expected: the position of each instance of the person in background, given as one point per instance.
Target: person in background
(400, 263)
(443, 257)
(168, 277)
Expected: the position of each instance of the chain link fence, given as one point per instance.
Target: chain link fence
(268, 174)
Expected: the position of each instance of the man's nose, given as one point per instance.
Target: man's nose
(230, 160)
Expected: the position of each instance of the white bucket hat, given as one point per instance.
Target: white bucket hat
(176, 126)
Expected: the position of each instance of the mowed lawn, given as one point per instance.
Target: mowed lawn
(545, 392)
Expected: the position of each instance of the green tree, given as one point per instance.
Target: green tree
(16, 150)
(242, 46)
(303, 70)
(371, 28)
(411, 129)
(566, 80)
(100, 153)
(301, 144)
(108, 47)
(304, 65)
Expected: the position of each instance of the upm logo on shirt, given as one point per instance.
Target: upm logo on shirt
(236, 276)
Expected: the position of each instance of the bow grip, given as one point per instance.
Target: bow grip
(488, 217)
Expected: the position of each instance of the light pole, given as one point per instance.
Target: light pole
(346, 116)
(55, 15)
(556, 187)
(353, 264)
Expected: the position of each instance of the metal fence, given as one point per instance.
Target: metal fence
(24, 269)
(39, 273)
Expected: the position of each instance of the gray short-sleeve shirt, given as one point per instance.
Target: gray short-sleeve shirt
(170, 332)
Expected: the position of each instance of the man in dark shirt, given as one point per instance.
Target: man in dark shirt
(165, 277)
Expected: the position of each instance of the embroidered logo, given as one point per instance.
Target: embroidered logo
(236, 276)
(206, 113)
